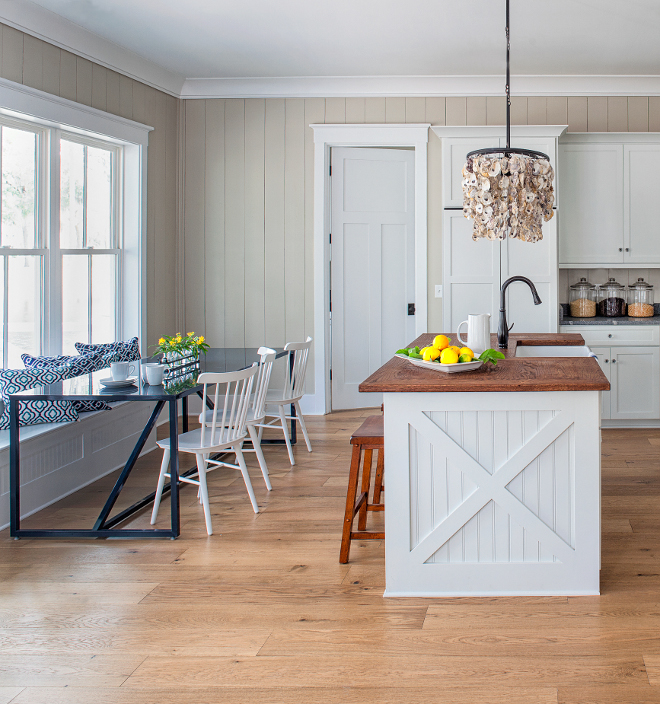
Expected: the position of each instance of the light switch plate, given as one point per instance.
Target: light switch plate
(438, 291)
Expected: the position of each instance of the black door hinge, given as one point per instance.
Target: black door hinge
(331, 375)
(411, 309)
(330, 170)
(330, 299)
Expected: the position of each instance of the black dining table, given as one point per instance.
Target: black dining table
(88, 387)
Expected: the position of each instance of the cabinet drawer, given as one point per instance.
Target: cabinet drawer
(606, 335)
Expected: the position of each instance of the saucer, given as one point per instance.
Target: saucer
(110, 383)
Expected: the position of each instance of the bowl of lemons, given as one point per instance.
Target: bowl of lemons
(442, 356)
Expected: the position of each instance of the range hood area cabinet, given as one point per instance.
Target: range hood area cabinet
(609, 191)
(474, 271)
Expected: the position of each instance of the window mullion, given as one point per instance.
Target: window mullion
(89, 298)
(52, 232)
(5, 311)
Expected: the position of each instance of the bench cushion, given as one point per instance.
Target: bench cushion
(122, 351)
(31, 412)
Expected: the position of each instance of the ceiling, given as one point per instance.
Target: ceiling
(248, 39)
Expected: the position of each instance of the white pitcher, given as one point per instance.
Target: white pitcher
(478, 332)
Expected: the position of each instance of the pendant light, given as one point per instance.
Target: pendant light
(507, 190)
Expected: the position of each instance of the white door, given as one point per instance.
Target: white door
(642, 184)
(635, 379)
(372, 265)
(604, 360)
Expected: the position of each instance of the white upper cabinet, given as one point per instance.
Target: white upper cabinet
(608, 190)
(641, 225)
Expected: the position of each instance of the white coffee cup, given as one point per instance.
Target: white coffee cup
(154, 373)
(478, 332)
(121, 370)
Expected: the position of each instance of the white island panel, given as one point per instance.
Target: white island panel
(492, 493)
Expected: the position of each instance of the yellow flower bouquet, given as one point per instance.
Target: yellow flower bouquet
(187, 345)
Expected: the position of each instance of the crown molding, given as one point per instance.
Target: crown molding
(54, 29)
(423, 86)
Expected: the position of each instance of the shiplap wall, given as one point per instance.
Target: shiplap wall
(30, 61)
(248, 196)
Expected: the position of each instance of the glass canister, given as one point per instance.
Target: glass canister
(640, 299)
(582, 299)
(612, 300)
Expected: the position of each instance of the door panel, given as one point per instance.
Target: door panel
(604, 361)
(635, 374)
(642, 227)
(372, 266)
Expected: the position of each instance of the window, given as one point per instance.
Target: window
(60, 240)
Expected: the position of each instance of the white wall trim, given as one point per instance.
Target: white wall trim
(55, 29)
(498, 131)
(610, 137)
(325, 137)
(423, 86)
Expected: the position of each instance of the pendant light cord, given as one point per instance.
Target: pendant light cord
(506, 88)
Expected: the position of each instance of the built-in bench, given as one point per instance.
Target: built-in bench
(58, 459)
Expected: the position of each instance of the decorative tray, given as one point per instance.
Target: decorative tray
(447, 368)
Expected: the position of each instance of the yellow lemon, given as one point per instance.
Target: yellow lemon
(440, 342)
(466, 350)
(456, 349)
(465, 358)
(430, 354)
(448, 356)
(423, 350)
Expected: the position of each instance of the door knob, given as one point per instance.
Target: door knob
(614, 361)
(620, 249)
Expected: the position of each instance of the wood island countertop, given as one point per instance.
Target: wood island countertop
(510, 374)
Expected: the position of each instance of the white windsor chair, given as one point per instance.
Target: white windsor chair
(226, 432)
(294, 387)
(256, 410)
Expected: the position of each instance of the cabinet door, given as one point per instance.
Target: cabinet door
(604, 360)
(471, 273)
(456, 149)
(635, 378)
(591, 191)
(546, 145)
(642, 186)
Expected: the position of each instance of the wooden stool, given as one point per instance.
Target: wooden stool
(368, 437)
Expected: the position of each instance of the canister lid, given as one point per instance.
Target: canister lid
(641, 285)
(582, 284)
(612, 284)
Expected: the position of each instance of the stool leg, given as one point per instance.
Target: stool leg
(349, 513)
(366, 481)
(378, 482)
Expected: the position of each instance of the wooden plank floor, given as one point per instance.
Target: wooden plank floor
(262, 612)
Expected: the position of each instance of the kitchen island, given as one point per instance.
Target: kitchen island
(493, 476)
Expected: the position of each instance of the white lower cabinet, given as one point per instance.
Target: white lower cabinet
(633, 370)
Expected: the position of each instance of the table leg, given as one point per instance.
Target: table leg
(174, 468)
(184, 413)
(14, 469)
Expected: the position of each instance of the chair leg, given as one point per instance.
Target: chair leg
(349, 512)
(366, 481)
(285, 430)
(302, 425)
(254, 436)
(246, 477)
(203, 490)
(161, 483)
(378, 482)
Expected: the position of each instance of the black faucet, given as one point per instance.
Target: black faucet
(502, 328)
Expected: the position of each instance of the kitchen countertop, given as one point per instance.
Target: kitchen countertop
(510, 374)
(566, 319)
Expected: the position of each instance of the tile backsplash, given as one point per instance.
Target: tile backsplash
(567, 277)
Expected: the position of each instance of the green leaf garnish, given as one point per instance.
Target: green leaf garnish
(491, 355)
(403, 351)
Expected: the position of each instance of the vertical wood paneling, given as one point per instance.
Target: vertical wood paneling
(335, 111)
(374, 111)
(456, 111)
(83, 81)
(434, 224)
(214, 222)
(617, 114)
(395, 110)
(495, 110)
(139, 101)
(596, 114)
(155, 182)
(638, 114)
(12, 54)
(99, 87)
(112, 92)
(255, 312)
(126, 97)
(654, 113)
(355, 110)
(415, 110)
(518, 110)
(33, 62)
(435, 111)
(577, 114)
(68, 71)
(51, 68)
(476, 111)
(274, 220)
(537, 109)
(294, 222)
(234, 261)
(557, 110)
(195, 127)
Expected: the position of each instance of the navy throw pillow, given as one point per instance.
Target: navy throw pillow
(122, 351)
(79, 365)
(13, 381)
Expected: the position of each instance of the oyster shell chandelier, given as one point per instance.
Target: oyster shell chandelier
(508, 190)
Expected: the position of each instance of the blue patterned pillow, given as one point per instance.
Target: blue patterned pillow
(79, 365)
(122, 351)
(32, 412)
